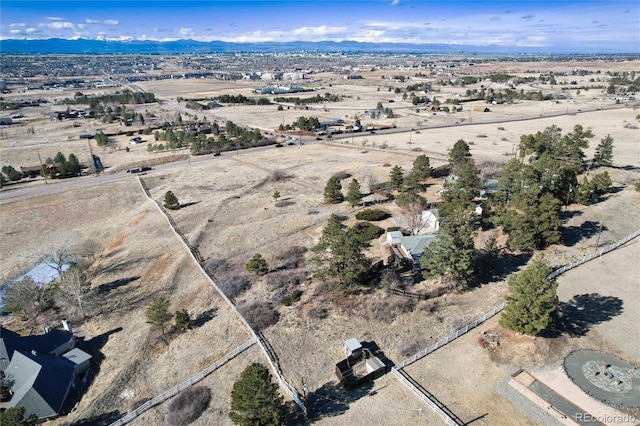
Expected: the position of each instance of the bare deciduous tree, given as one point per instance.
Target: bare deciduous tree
(55, 252)
(412, 219)
(26, 298)
(72, 292)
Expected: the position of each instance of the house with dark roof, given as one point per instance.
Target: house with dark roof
(40, 370)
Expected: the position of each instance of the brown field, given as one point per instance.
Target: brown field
(230, 215)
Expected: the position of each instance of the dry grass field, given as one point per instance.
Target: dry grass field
(230, 214)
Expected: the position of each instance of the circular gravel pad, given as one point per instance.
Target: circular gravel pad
(605, 377)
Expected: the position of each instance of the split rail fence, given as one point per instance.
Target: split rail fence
(189, 382)
(447, 415)
(259, 337)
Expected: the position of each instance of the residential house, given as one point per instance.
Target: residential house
(40, 370)
(410, 247)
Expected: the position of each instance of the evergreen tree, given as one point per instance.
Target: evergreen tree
(257, 265)
(451, 255)
(459, 154)
(183, 319)
(59, 158)
(354, 196)
(339, 255)
(333, 191)
(157, 312)
(458, 201)
(411, 183)
(601, 183)
(71, 167)
(11, 173)
(396, 177)
(421, 167)
(531, 301)
(171, 201)
(255, 400)
(101, 138)
(534, 223)
(14, 416)
(556, 159)
(604, 152)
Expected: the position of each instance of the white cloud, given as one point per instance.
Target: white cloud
(104, 22)
(395, 2)
(17, 25)
(315, 32)
(58, 25)
(187, 32)
(54, 18)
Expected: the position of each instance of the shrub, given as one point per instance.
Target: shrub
(387, 311)
(183, 319)
(368, 231)
(278, 175)
(341, 175)
(233, 285)
(393, 228)
(213, 266)
(284, 203)
(171, 201)
(291, 257)
(286, 278)
(372, 214)
(317, 313)
(188, 405)
(259, 315)
(292, 297)
(408, 349)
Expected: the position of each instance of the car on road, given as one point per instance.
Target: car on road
(139, 169)
(279, 145)
(216, 154)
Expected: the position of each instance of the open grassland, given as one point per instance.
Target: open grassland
(229, 214)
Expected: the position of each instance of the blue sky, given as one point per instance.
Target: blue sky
(569, 25)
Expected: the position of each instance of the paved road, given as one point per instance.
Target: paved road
(9, 195)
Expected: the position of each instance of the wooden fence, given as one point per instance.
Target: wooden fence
(266, 348)
(420, 296)
(447, 415)
(605, 249)
(189, 382)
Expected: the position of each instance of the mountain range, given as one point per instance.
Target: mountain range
(92, 46)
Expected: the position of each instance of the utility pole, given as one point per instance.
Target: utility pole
(42, 170)
(93, 161)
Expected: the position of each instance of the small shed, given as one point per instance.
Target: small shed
(352, 348)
